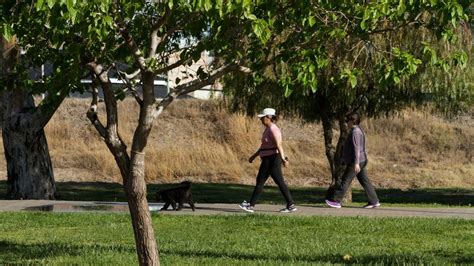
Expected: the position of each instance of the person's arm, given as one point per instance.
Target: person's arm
(279, 143)
(357, 141)
(253, 156)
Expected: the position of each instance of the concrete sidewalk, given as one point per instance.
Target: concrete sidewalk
(233, 209)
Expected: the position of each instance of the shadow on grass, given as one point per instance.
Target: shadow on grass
(18, 253)
(235, 193)
(389, 259)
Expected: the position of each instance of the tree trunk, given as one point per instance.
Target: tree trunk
(132, 168)
(334, 154)
(29, 168)
(30, 172)
(135, 188)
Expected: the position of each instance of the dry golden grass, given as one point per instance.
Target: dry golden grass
(201, 141)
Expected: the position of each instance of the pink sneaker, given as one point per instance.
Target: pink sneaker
(333, 204)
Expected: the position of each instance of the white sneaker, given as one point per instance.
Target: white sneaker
(247, 208)
(245, 203)
(372, 206)
(291, 208)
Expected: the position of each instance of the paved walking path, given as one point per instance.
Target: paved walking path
(232, 209)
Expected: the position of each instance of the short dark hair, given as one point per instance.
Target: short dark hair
(354, 117)
(273, 118)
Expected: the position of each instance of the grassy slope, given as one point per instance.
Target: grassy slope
(199, 140)
(106, 239)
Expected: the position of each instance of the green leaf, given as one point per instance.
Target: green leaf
(261, 29)
(396, 79)
(50, 3)
(288, 91)
(353, 81)
(311, 21)
(250, 16)
(7, 32)
(39, 5)
(108, 20)
(207, 5)
(401, 8)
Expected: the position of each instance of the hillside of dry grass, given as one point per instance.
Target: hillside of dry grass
(201, 141)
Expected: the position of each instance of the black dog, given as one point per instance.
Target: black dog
(179, 195)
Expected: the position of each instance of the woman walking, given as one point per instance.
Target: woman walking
(272, 156)
(354, 157)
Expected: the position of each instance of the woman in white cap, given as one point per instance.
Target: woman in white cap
(272, 156)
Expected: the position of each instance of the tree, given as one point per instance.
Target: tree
(30, 173)
(325, 59)
(144, 36)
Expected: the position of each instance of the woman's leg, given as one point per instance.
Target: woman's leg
(262, 176)
(346, 181)
(277, 176)
(367, 185)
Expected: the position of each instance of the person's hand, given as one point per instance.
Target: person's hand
(357, 168)
(251, 158)
(285, 162)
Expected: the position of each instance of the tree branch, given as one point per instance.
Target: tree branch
(195, 85)
(93, 110)
(122, 28)
(110, 133)
(130, 87)
(110, 102)
(172, 66)
(155, 39)
(45, 111)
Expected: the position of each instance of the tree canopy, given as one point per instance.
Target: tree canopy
(376, 56)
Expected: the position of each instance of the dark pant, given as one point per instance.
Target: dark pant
(346, 181)
(271, 166)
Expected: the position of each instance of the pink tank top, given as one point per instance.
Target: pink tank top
(269, 136)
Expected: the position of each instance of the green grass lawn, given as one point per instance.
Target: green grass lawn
(235, 193)
(106, 239)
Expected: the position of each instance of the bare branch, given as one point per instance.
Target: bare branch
(195, 85)
(155, 40)
(109, 96)
(49, 105)
(93, 110)
(172, 66)
(110, 133)
(129, 76)
(397, 27)
(122, 28)
(128, 84)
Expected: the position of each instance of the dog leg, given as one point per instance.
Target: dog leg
(165, 207)
(191, 203)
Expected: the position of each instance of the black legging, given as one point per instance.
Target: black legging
(271, 166)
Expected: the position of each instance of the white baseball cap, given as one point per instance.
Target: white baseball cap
(267, 111)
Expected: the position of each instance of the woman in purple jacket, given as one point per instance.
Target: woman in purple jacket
(272, 156)
(354, 157)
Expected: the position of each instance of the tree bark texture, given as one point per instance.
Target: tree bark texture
(29, 168)
(334, 154)
(135, 188)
